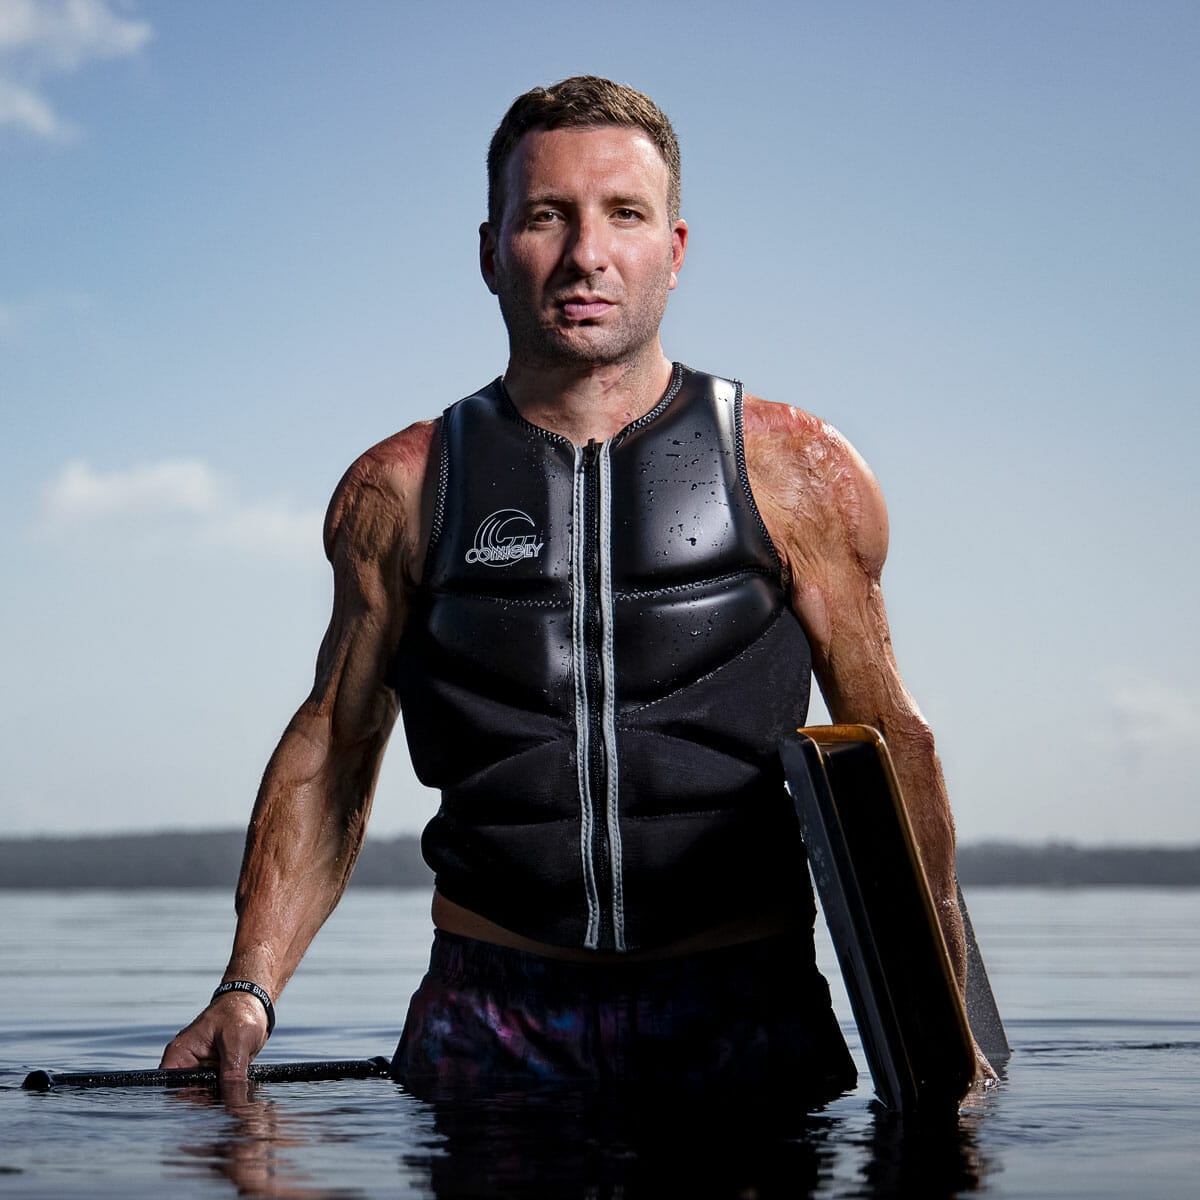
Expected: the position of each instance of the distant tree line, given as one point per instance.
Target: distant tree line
(212, 859)
(1064, 865)
(178, 860)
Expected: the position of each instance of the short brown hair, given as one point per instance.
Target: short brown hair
(581, 102)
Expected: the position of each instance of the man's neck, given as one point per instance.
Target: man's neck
(581, 403)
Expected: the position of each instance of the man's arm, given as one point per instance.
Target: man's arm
(311, 812)
(827, 518)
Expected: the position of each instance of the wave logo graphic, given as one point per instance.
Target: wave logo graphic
(505, 537)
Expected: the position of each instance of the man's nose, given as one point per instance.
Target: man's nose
(587, 249)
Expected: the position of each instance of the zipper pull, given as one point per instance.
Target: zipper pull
(591, 451)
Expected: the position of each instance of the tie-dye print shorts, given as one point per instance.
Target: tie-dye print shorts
(736, 1020)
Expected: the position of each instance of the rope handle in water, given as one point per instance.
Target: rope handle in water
(300, 1072)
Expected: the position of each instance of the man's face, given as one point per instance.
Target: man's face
(585, 253)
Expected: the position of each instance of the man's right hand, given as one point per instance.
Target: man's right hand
(227, 1035)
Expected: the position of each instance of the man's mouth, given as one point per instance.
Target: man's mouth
(580, 308)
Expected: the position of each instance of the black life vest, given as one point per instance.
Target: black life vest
(595, 672)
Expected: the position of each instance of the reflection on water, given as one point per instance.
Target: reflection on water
(254, 1149)
(591, 1147)
(934, 1158)
(518, 1148)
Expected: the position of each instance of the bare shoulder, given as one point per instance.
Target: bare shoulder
(811, 486)
(377, 508)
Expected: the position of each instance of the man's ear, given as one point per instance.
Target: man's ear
(679, 237)
(487, 255)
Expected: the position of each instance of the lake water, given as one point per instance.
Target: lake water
(1100, 991)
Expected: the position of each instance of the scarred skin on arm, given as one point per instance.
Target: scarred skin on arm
(826, 516)
(312, 807)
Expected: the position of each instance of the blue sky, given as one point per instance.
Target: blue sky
(237, 246)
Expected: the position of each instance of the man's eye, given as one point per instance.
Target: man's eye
(627, 214)
(543, 216)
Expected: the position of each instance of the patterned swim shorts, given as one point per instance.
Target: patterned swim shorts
(741, 1019)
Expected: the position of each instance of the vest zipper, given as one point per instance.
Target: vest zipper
(595, 697)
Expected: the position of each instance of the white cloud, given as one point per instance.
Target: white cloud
(186, 497)
(182, 485)
(1151, 715)
(1133, 776)
(66, 33)
(55, 37)
(27, 110)
(271, 528)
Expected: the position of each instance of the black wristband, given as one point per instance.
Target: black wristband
(252, 989)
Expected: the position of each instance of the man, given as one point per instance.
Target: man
(596, 588)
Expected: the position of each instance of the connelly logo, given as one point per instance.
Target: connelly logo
(503, 538)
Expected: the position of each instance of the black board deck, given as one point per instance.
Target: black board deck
(877, 903)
